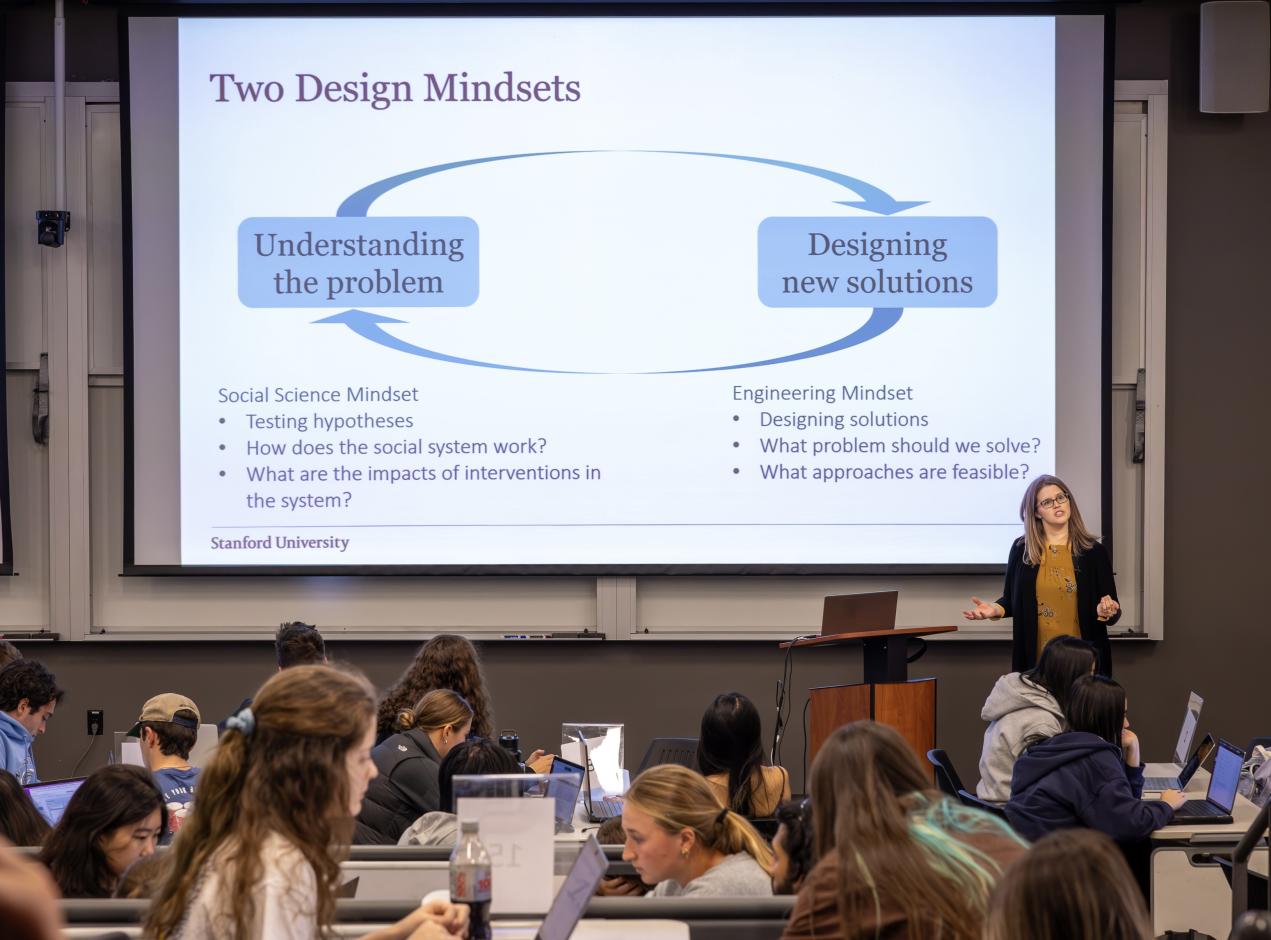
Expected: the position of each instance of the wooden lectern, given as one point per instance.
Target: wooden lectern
(886, 695)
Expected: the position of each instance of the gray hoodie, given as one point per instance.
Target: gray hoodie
(1019, 712)
(432, 829)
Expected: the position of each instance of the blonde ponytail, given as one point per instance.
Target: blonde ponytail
(678, 798)
(436, 710)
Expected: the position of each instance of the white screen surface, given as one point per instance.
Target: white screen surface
(725, 291)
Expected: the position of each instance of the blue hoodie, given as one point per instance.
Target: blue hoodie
(15, 750)
(1079, 779)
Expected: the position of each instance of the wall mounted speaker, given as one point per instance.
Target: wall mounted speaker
(1235, 56)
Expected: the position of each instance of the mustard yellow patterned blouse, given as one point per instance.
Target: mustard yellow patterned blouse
(1056, 596)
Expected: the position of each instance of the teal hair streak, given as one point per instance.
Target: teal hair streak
(936, 827)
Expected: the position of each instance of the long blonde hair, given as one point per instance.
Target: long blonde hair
(1073, 884)
(678, 798)
(437, 709)
(286, 775)
(1080, 538)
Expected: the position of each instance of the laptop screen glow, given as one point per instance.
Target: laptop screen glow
(51, 798)
(1222, 785)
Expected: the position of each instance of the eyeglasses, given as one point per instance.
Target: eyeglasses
(1051, 502)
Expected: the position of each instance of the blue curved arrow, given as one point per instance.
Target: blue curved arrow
(360, 202)
(367, 325)
(880, 321)
(873, 199)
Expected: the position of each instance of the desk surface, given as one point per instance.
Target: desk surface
(1242, 813)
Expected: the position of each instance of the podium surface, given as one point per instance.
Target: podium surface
(886, 695)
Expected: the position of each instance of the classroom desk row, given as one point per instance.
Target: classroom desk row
(605, 918)
(1189, 889)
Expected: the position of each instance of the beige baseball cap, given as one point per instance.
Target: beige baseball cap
(165, 707)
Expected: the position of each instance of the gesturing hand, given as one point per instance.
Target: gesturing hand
(1108, 607)
(982, 611)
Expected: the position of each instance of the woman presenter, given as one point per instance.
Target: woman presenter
(1058, 579)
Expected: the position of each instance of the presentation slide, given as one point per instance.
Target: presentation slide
(612, 291)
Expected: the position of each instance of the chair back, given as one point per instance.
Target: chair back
(970, 799)
(682, 751)
(947, 778)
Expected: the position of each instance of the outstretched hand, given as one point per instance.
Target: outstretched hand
(982, 611)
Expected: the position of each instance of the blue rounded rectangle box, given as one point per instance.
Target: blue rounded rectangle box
(425, 261)
(873, 262)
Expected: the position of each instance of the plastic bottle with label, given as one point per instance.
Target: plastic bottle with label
(470, 879)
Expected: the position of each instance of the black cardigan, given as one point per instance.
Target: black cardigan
(1093, 568)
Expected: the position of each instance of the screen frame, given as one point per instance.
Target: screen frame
(532, 9)
(6, 519)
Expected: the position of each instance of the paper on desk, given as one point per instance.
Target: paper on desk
(518, 833)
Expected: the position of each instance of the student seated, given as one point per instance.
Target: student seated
(444, 662)
(610, 833)
(792, 846)
(168, 727)
(28, 697)
(730, 756)
(896, 859)
(1072, 885)
(1090, 775)
(20, 822)
(295, 644)
(1027, 707)
(406, 787)
(114, 818)
(259, 856)
(474, 757)
(682, 839)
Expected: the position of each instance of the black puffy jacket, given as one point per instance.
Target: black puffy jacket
(405, 789)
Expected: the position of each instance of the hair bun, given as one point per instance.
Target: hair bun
(405, 720)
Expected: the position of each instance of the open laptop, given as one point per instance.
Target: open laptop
(597, 810)
(854, 613)
(1216, 807)
(565, 793)
(51, 798)
(1191, 720)
(571, 900)
(1194, 763)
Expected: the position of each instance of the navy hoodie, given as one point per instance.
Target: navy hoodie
(1079, 779)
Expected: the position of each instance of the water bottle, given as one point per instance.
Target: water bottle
(470, 879)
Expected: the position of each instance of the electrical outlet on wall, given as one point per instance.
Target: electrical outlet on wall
(96, 721)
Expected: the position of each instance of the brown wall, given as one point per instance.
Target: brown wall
(1217, 492)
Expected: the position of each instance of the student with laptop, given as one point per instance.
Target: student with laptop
(1090, 775)
(259, 857)
(408, 762)
(473, 757)
(113, 819)
(730, 757)
(682, 839)
(167, 728)
(28, 697)
(1027, 707)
